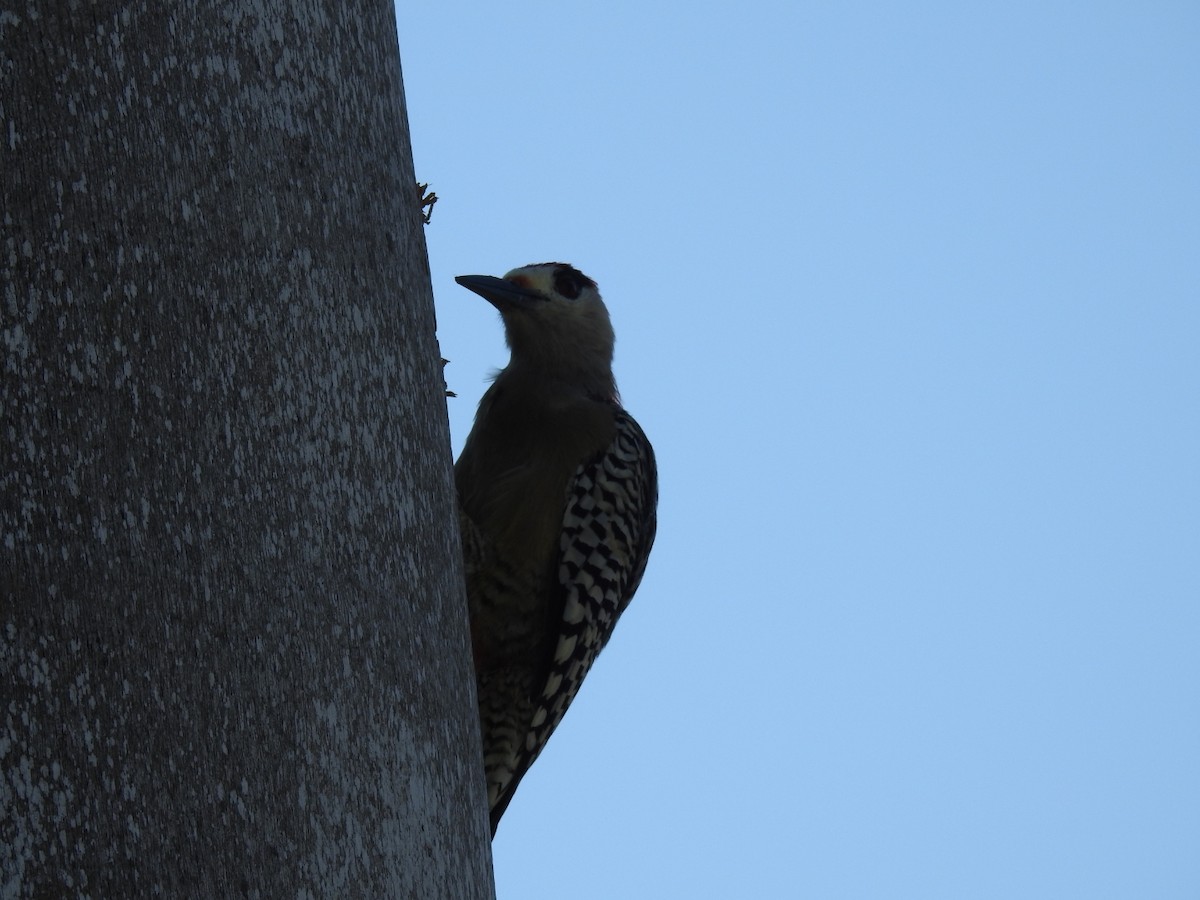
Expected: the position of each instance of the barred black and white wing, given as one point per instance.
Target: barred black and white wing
(608, 530)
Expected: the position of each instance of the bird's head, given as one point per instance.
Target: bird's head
(554, 321)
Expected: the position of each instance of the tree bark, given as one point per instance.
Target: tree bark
(233, 648)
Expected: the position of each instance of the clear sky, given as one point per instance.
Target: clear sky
(907, 297)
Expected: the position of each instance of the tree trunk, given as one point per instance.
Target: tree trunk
(233, 649)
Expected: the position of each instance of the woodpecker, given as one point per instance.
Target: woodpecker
(557, 490)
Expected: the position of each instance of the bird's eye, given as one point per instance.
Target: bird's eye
(568, 283)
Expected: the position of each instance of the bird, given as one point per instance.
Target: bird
(558, 490)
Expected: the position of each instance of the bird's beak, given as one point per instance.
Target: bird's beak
(500, 293)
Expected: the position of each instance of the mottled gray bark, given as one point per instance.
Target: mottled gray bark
(233, 648)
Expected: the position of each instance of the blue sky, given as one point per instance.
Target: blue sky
(907, 297)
